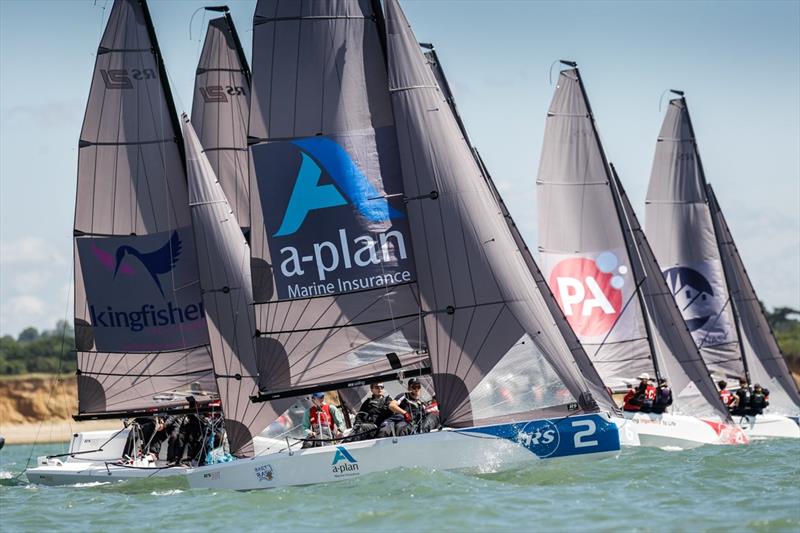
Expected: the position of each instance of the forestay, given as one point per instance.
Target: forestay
(479, 303)
(224, 261)
(601, 266)
(220, 111)
(333, 270)
(140, 323)
(684, 241)
(766, 363)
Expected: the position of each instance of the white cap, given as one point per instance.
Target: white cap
(644, 375)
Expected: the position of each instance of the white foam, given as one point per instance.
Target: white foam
(165, 492)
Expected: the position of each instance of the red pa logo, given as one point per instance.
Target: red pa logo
(589, 292)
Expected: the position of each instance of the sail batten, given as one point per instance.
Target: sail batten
(140, 323)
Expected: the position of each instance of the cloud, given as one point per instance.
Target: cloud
(29, 251)
(27, 304)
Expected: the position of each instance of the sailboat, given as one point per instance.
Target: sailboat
(707, 277)
(158, 320)
(605, 277)
(378, 254)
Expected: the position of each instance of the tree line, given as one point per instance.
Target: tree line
(53, 351)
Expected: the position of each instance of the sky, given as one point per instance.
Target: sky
(739, 63)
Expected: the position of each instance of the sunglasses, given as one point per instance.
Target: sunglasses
(378, 387)
(415, 387)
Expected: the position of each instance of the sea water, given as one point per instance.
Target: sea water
(712, 488)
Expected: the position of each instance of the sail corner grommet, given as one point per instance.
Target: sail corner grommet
(450, 310)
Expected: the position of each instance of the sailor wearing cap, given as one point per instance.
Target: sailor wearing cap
(322, 421)
(642, 397)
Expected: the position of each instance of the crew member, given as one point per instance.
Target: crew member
(372, 413)
(322, 421)
(742, 406)
(725, 395)
(663, 397)
(759, 400)
(642, 397)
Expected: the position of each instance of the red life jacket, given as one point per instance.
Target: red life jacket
(626, 405)
(726, 396)
(650, 393)
(321, 415)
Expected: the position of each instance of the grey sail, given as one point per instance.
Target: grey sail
(333, 272)
(480, 308)
(596, 252)
(680, 227)
(765, 361)
(140, 322)
(224, 263)
(220, 111)
(582, 247)
(572, 342)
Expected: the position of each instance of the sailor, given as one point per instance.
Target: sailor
(642, 397)
(663, 397)
(322, 421)
(409, 413)
(725, 395)
(742, 404)
(372, 413)
(759, 400)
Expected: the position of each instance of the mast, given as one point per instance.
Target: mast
(715, 229)
(625, 223)
(620, 215)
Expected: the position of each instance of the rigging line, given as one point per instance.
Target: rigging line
(716, 319)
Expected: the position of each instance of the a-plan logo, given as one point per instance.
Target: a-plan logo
(334, 213)
(308, 194)
(589, 292)
(343, 463)
(157, 262)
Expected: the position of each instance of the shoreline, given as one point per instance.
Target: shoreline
(53, 431)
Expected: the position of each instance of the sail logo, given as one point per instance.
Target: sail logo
(157, 262)
(142, 291)
(589, 292)
(332, 218)
(121, 78)
(309, 195)
(216, 94)
(700, 294)
(540, 436)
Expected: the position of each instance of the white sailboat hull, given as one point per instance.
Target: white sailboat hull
(480, 449)
(769, 426)
(674, 431)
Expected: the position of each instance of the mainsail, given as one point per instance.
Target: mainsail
(480, 305)
(684, 241)
(706, 274)
(333, 272)
(767, 365)
(601, 267)
(224, 261)
(140, 324)
(220, 111)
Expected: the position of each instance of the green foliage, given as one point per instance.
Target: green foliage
(49, 351)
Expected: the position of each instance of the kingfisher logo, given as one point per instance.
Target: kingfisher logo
(157, 262)
(343, 463)
(143, 292)
(589, 292)
(334, 213)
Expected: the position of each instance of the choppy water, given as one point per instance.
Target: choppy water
(754, 487)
